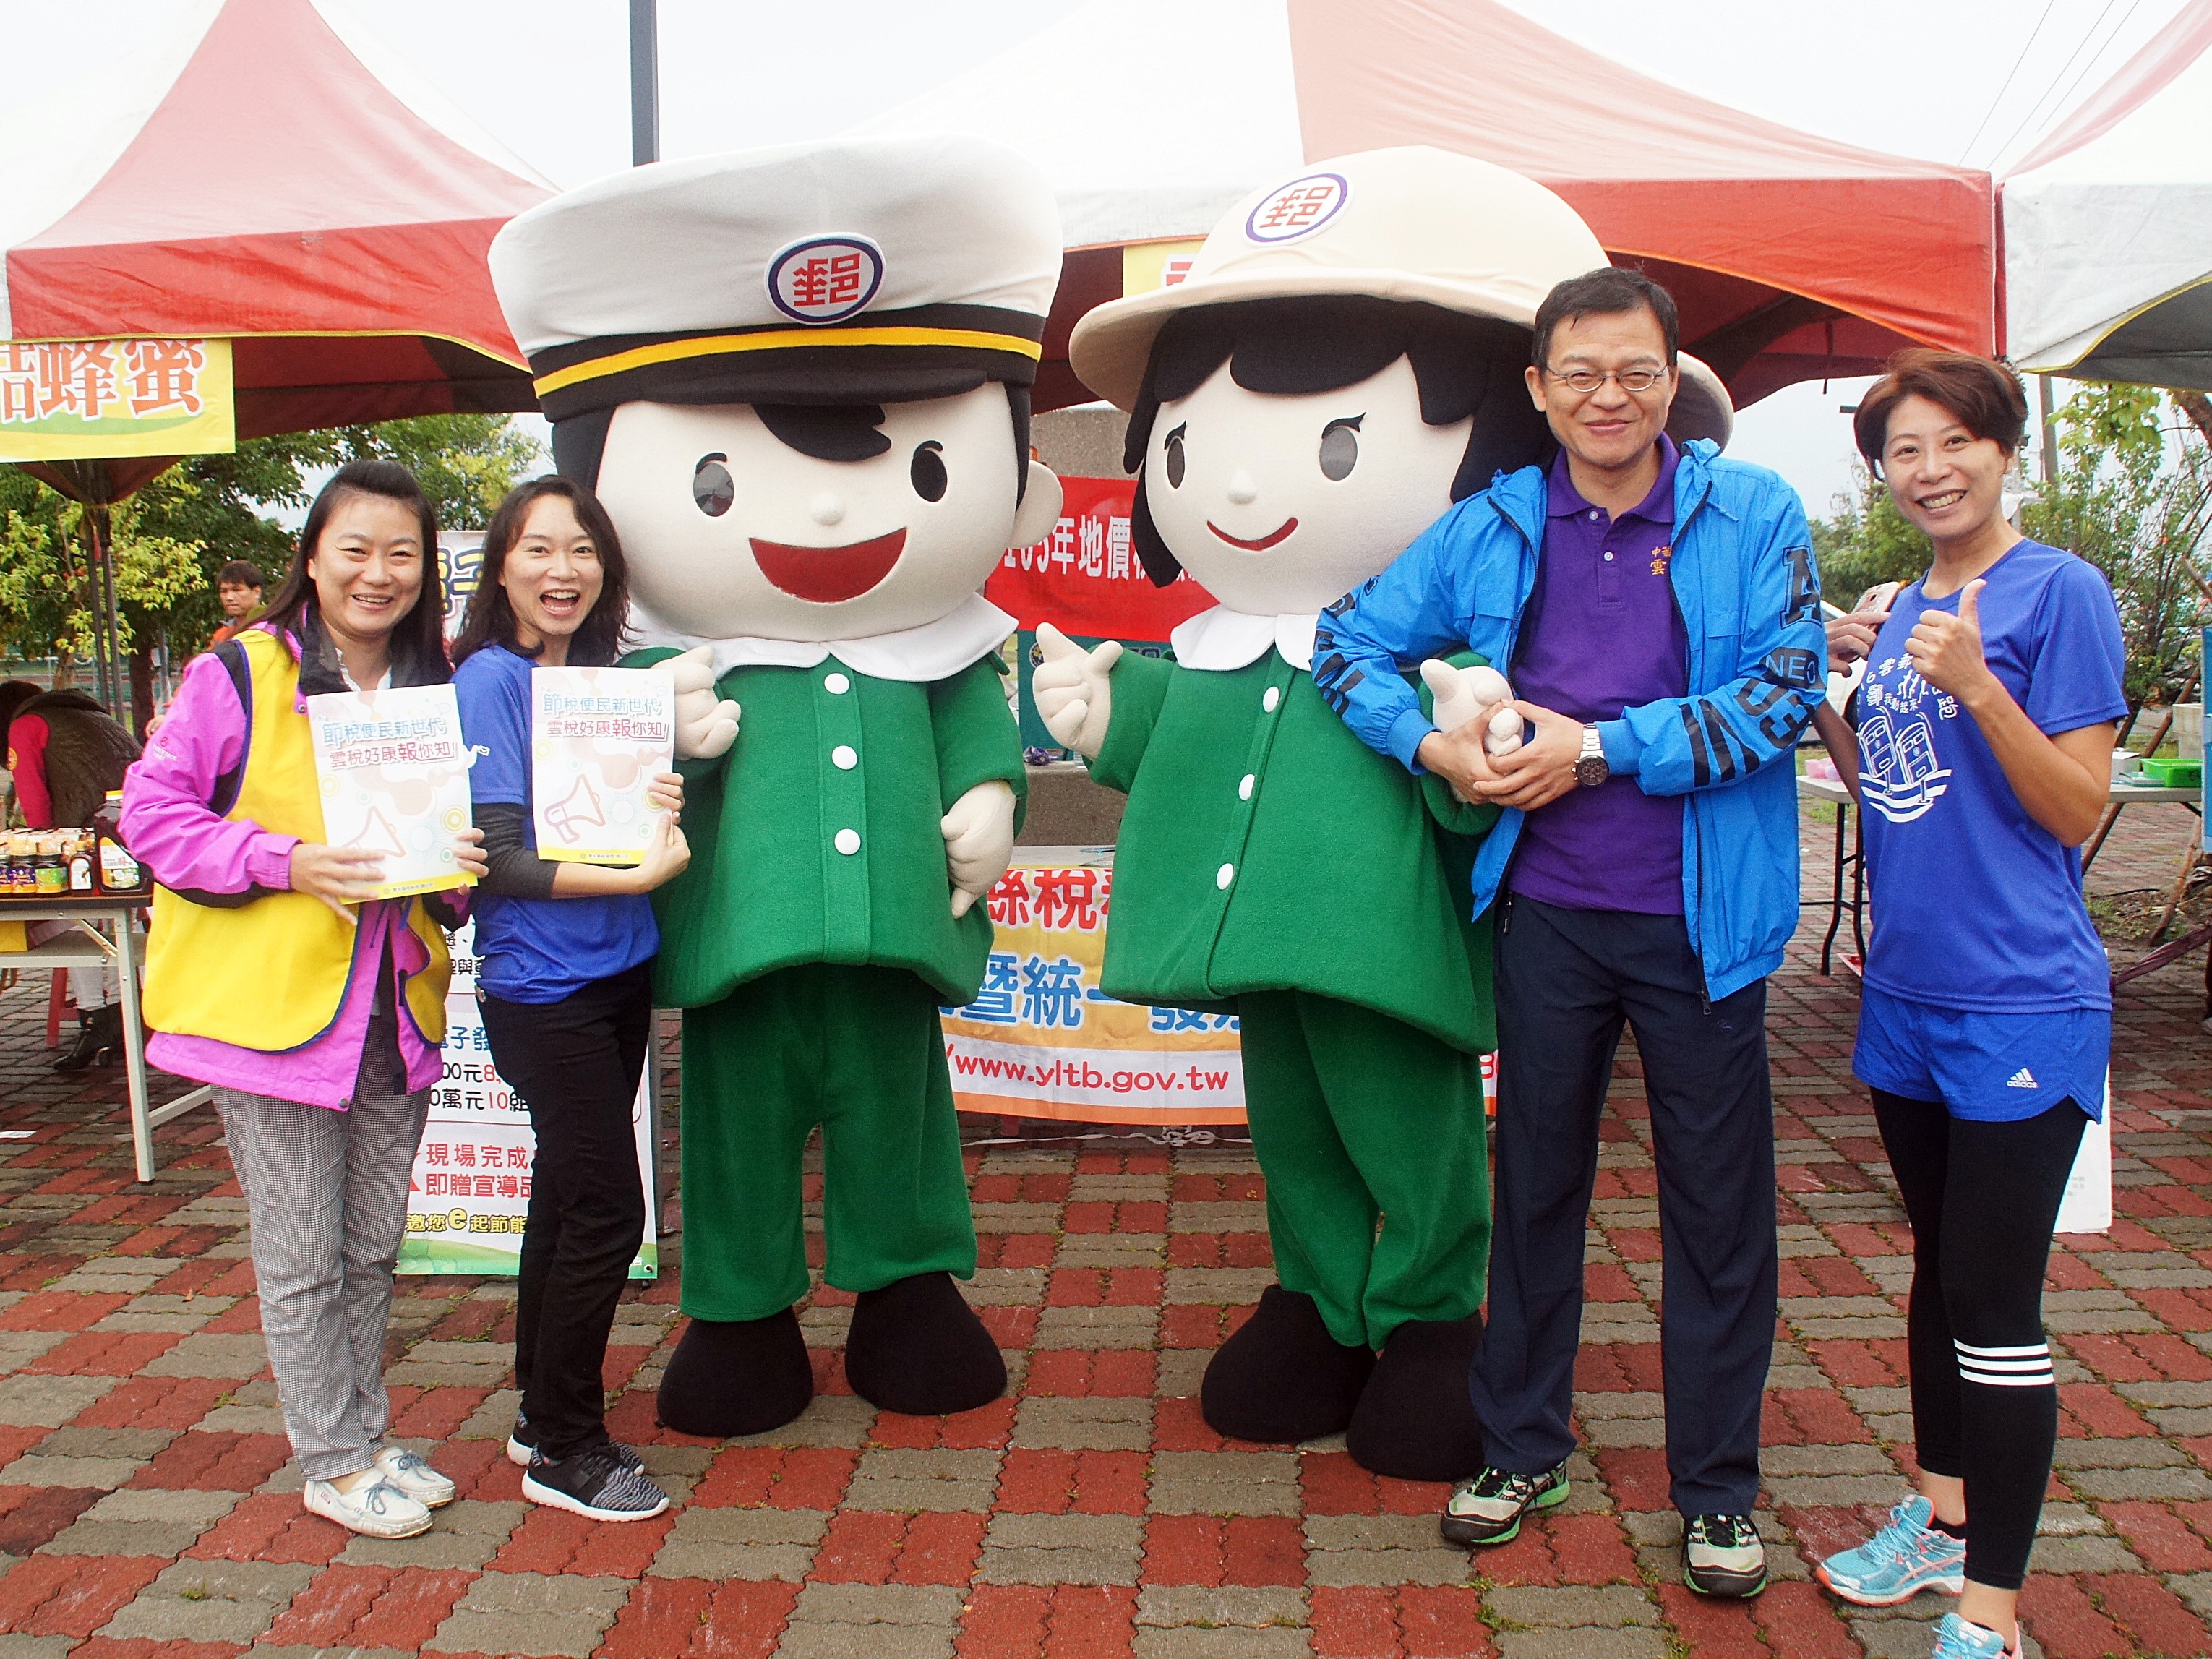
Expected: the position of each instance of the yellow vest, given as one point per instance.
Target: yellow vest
(272, 974)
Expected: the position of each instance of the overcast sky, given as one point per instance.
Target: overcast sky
(1974, 80)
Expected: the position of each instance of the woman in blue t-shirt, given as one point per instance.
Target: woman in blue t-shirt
(1981, 764)
(566, 983)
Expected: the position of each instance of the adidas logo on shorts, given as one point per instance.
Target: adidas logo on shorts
(2023, 1079)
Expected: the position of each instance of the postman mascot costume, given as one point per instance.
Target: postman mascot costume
(798, 380)
(1344, 361)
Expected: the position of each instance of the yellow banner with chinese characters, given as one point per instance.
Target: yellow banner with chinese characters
(64, 400)
(1042, 1040)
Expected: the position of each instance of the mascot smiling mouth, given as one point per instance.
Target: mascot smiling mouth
(827, 576)
(1265, 541)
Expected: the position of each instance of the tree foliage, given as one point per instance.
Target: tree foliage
(2130, 498)
(172, 537)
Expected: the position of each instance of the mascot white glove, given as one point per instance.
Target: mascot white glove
(706, 725)
(1074, 697)
(1470, 694)
(979, 840)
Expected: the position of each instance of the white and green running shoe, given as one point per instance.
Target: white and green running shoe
(1722, 1556)
(1488, 1509)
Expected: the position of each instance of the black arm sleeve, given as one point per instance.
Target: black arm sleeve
(517, 871)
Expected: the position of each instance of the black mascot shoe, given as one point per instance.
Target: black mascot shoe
(1415, 1420)
(737, 1376)
(1282, 1376)
(916, 1347)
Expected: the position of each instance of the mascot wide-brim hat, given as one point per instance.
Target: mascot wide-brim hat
(1414, 223)
(857, 270)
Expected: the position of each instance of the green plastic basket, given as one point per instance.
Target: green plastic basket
(2175, 774)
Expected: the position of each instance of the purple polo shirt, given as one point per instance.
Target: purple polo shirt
(1601, 633)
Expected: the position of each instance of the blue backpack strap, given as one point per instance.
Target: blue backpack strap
(231, 655)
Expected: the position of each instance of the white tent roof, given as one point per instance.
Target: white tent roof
(1180, 108)
(2108, 225)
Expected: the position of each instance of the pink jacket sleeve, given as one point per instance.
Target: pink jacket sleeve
(167, 823)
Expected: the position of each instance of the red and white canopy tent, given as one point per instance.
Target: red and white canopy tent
(2108, 225)
(260, 172)
(263, 171)
(1792, 256)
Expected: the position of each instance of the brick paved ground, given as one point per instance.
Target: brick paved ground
(147, 1506)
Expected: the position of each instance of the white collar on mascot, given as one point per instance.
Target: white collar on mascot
(1221, 638)
(933, 650)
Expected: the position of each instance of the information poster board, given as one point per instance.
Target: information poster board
(393, 772)
(1041, 1039)
(597, 738)
(2086, 1206)
(469, 1188)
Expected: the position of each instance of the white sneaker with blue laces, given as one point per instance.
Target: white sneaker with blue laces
(1904, 1558)
(411, 1472)
(1958, 1639)
(374, 1508)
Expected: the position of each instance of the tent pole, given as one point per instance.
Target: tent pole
(110, 634)
(2050, 430)
(644, 83)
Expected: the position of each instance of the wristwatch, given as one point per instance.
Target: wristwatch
(1590, 770)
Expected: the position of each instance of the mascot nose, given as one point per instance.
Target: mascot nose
(827, 508)
(1243, 490)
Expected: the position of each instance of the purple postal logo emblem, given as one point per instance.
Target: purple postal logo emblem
(1298, 209)
(825, 279)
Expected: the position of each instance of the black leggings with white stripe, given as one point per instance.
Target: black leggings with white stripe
(1983, 1199)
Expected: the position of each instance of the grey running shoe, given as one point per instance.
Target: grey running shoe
(596, 1483)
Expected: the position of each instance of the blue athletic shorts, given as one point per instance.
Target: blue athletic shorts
(1992, 1068)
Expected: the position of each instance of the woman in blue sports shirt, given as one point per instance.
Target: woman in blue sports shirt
(566, 986)
(1981, 764)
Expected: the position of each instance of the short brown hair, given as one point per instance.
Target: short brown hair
(1982, 395)
(239, 573)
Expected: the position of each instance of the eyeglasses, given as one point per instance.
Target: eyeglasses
(1582, 382)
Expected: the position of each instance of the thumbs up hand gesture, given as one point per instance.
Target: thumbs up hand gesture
(1073, 692)
(1948, 650)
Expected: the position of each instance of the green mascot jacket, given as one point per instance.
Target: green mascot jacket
(822, 751)
(1265, 848)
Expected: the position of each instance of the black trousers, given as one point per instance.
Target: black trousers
(575, 1063)
(1983, 1199)
(1567, 980)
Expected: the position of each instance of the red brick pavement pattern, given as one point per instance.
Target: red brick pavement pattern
(147, 1506)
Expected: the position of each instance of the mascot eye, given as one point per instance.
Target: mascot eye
(1339, 448)
(1175, 459)
(712, 487)
(928, 472)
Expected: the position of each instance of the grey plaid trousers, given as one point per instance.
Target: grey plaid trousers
(326, 1194)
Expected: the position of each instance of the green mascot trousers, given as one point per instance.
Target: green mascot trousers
(1358, 1119)
(860, 1052)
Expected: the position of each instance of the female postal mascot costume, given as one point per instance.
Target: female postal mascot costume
(798, 380)
(1344, 361)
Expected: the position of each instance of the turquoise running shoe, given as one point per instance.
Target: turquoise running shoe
(1955, 1638)
(1903, 1559)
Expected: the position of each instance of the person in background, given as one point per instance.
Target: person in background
(273, 972)
(566, 983)
(1659, 613)
(1993, 692)
(64, 753)
(237, 590)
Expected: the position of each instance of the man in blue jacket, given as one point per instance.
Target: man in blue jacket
(1659, 613)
